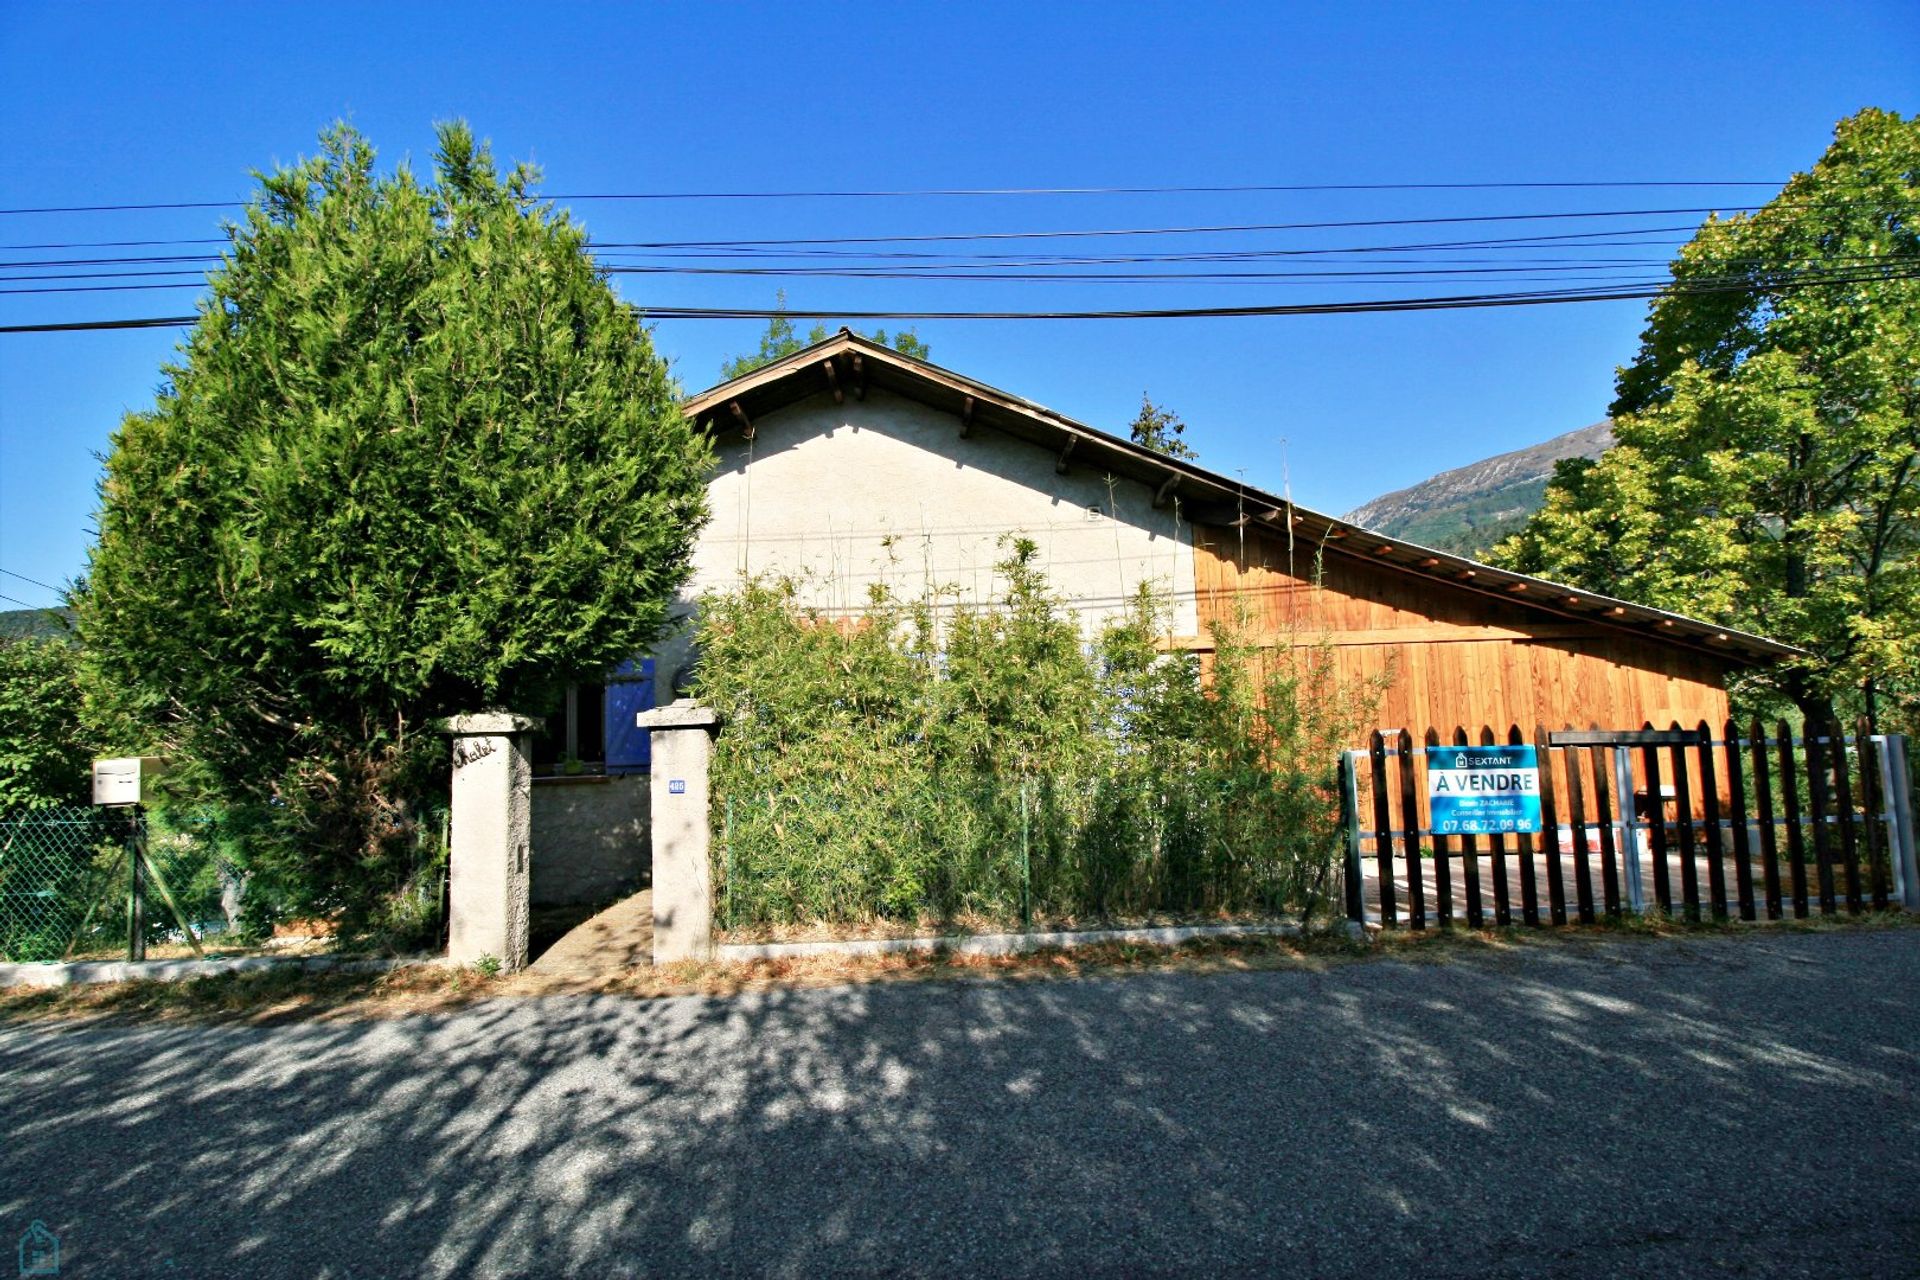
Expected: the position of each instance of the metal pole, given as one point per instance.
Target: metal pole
(1026, 864)
(1900, 805)
(136, 888)
(1629, 831)
(1350, 814)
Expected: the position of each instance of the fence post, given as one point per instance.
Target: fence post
(1442, 856)
(1350, 818)
(1630, 872)
(1410, 835)
(1877, 835)
(727, 836)
(136, 884)
(1900, 810)
(1383, 829)
(1026, 861)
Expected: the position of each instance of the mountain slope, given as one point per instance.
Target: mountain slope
(1468, 509)
(35, 624)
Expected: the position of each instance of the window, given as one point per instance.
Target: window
(592, 730)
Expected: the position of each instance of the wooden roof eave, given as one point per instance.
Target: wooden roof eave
(1609, 612)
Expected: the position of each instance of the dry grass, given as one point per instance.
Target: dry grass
(294, 994)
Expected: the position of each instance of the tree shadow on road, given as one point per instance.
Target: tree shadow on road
(1508, 1115)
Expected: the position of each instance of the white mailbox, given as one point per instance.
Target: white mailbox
(127, 780)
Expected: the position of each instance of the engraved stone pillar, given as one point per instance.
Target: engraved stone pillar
(489, 875)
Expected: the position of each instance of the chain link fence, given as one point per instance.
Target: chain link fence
(66, 882)
(58, 868)
(993, 851)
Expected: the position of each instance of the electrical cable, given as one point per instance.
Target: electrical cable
(997, 192)
(35, 581)
(1371, 306)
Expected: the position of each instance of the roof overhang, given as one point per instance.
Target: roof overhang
(847, 365)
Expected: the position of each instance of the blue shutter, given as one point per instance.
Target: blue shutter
(629, 692)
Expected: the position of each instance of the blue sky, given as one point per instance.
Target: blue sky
(154, 103)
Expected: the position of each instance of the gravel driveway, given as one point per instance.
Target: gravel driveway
(1732, 1105)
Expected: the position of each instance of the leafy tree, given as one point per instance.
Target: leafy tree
(415, 458)
(1769, 432)
(45, 753)
(782, 340)
(1160, 430)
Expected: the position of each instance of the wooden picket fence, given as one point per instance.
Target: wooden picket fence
(1739, 825)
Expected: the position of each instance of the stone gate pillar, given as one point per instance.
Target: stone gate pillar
(488, 874)
(682, 739)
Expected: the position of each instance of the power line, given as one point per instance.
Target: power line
(634, 244)
(1443, 303)
(78, 326)
(943, 192)
(24, 578)
(106, 275)
(1214, 229)
(1219, 229)
(1032, 258)
(1375, 272)
(1605, 274)
(1607, 238)
(101, 288)
(109, 244)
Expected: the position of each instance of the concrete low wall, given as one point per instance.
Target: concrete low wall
(83, 972)
(590, 839)
(1003, 944)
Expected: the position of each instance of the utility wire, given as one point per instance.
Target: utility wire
(1376, 271)
(37, 608)
(24, 578)
(1608, 238)
(1443, 303)
(927, 192)
(635, 244)
(1218, 229)
(1032, 258)
(1612, 274)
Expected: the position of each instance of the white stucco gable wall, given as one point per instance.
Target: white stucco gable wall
(887, 490)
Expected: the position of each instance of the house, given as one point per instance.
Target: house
(858, 464)
(850, 464)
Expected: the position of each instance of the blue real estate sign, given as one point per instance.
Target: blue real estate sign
(1478, 791)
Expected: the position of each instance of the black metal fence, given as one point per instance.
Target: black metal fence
(1734, 825)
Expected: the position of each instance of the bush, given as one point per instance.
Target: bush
(45, 757)
(415, 458)
(929, 760)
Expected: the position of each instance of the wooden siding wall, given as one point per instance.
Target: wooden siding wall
(1458, 657)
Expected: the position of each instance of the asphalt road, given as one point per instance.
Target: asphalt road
(1739, 1106)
